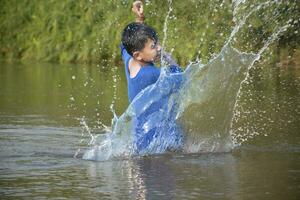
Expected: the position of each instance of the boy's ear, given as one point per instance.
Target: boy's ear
(137, 55)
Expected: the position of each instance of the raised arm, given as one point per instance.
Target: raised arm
(167, 57)
(138, 10)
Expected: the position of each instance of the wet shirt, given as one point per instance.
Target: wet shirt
(154, 126)
(147, 75)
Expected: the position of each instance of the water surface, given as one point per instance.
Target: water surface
(41, 107)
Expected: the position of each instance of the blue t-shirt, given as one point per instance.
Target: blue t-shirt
(154, 124)
(147, 75)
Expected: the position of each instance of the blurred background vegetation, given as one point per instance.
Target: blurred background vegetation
(88, 31)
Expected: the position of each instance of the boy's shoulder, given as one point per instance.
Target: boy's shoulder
(134, 67)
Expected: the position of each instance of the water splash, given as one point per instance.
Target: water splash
(278, 30)
(236, 138)
(204, 107)
(84, 129)
(115, 78)
(165, 30)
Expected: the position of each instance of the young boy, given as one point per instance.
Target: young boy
(140, 49)
(155, 130)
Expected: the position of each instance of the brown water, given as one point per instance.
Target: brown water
(41, 106)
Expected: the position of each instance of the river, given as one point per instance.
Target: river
(47, 112)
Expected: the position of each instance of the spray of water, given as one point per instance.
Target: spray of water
(165, 30)
(204, 107)
(238, 139)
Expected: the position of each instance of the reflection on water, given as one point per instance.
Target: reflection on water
(61, 92)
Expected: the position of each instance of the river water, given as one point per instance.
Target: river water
(43, 110)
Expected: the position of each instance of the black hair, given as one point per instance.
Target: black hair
(135, 35)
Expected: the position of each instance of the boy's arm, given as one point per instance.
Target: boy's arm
(138, 10)
(167, 57)
(169, 61)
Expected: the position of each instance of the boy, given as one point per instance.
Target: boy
(155, 130)
(140, 49)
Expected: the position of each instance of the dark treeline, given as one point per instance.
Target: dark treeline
(88, 31)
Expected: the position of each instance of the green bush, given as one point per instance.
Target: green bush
(89, 30)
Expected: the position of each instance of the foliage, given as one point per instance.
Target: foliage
(89, 30)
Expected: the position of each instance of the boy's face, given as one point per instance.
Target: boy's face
(150, 53)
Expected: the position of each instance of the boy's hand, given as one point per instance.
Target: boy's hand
(137, 9)
(167, 57)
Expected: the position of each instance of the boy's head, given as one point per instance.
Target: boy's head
(141, 42)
